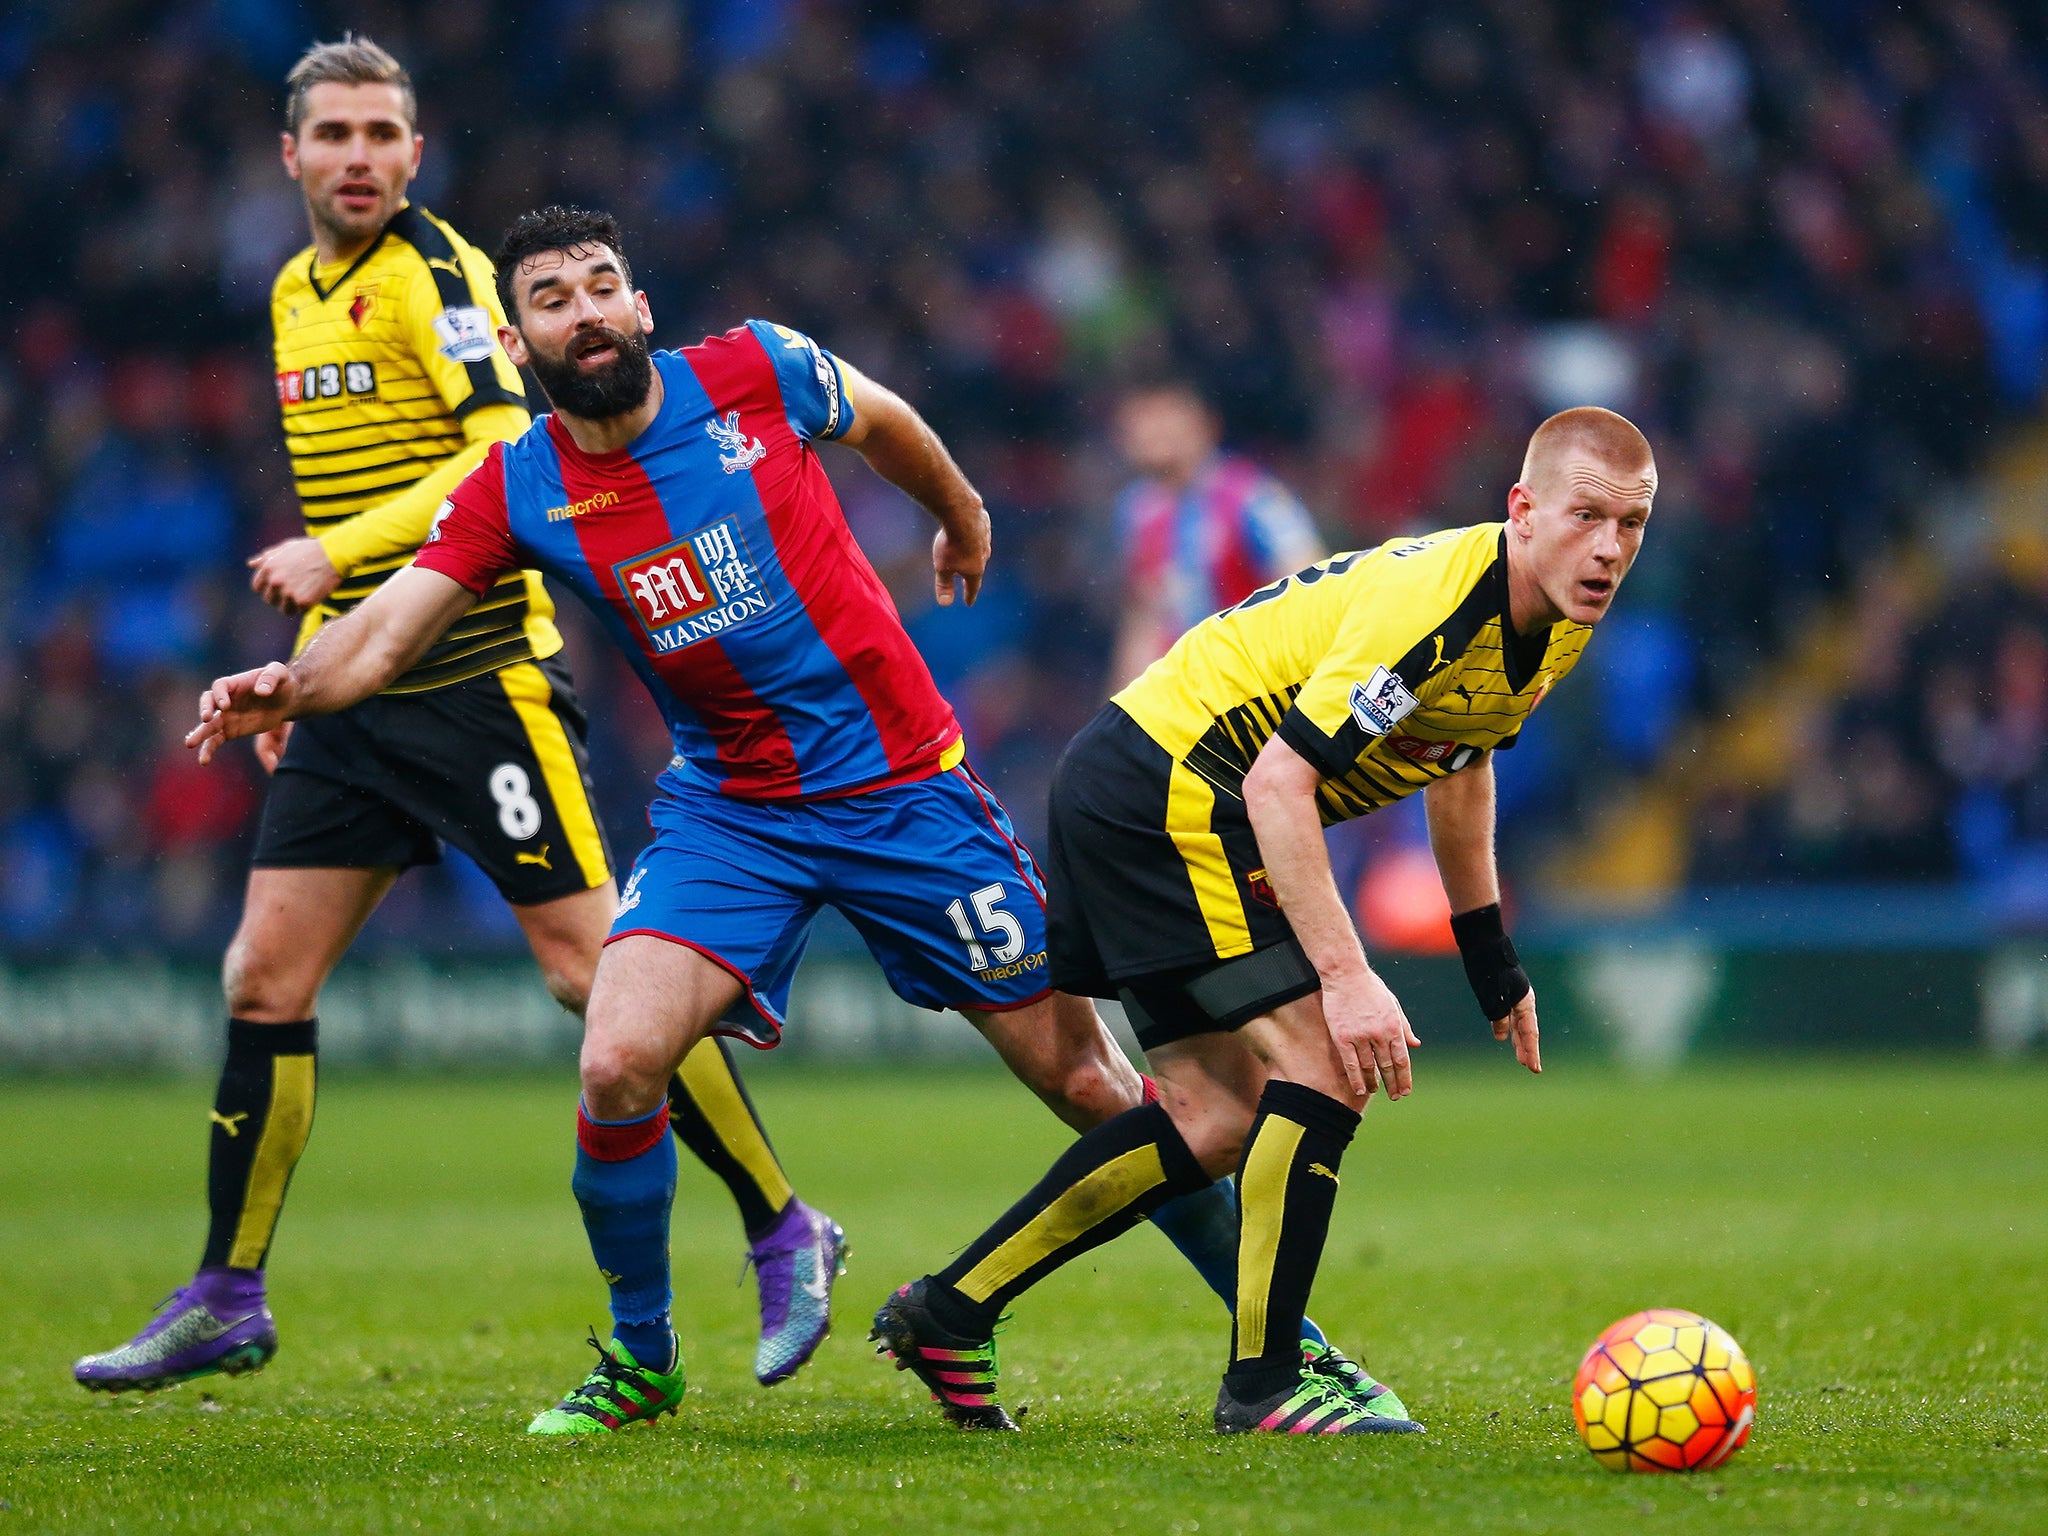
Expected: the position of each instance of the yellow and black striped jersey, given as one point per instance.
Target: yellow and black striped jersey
(1385, 668)
(379, 361)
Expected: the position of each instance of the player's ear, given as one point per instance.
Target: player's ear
(646, 315)
(419, 144)
(514, 345)
(288, 149)
(1521, 507)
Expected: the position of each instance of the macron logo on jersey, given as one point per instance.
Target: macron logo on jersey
(695, 588)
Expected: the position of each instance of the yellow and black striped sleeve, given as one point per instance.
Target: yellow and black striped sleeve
(399, 525)
(1423, 603)
(451, 321)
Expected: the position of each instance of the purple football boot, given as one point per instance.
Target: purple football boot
(218, 1323)
(795, 1262)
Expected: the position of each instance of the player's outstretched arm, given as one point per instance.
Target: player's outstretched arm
(901, 447)
(1461, 821)
(1367, 1025)
(352, 658)
(295, 574)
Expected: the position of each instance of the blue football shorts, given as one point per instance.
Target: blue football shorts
(931, 874)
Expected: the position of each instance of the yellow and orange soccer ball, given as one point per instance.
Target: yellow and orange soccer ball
(1664, 1391)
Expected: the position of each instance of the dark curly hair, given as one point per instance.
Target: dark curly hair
(554, 228)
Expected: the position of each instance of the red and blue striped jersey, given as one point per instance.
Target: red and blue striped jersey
(1201, 549)
(716, 555)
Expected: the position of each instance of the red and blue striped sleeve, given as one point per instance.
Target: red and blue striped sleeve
(812, 387)
(471, 540)
(1282, 534)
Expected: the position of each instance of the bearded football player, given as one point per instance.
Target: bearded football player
(393, 386)
(681, 495)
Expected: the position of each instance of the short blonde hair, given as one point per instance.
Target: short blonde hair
(355, 60)
(1609, 437)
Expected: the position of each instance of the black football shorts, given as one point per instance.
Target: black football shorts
(1156, 894)
(496, 765)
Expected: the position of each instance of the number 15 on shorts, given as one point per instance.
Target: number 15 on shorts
(989, 921)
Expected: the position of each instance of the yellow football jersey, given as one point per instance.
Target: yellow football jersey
(1386, 668)
(379, 360)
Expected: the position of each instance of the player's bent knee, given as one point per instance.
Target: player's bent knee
(569, 989)
(614, 1083)
(1093, 1088)
(1216, 1140)
(1059, 1049)
(258, 989)
(1219, 1152)
(623, 1075)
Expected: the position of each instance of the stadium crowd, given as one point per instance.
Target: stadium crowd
(1806, 247)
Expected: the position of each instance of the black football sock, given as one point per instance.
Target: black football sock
(712, 1115)
(1287, 1184)
(1103, 1185)
(262, 1114)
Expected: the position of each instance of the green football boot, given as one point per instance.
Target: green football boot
(1311, 1404)
(1349, 1378)
(619, 1391)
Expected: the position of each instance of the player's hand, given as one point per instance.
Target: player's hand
(960, 557)
(1371, 1034)
(1520, 1026)
(270, 746)
(247, 704)
(294, 575)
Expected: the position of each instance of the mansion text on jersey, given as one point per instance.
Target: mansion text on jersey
(705, 625)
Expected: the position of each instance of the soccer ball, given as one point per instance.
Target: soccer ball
(1664, 1391)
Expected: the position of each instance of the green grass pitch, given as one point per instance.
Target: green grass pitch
(1875, 1235)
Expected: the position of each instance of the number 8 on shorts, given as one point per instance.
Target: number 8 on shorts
(518, 812)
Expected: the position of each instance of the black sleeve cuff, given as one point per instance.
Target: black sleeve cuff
(1491, 964)
(1300, 734)
(490, 394)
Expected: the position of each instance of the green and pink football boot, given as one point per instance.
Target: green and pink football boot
(959, 1371)
(1311, 1404)
(618, 1393)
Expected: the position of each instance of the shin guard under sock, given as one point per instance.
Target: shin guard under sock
(1103, 1185)
(712, 1116)
(625, 1183)
(1287, 1184)
(262, 1115)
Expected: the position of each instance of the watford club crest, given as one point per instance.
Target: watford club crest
(362, 306)
(1261, 888)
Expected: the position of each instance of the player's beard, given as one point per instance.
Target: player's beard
(598, 394)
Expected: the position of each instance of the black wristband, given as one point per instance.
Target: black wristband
(1491, 964)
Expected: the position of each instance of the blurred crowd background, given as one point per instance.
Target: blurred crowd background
(1804, 245)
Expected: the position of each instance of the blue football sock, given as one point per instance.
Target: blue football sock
(626, 1183)
(651, 1344)
(1203, 1226)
